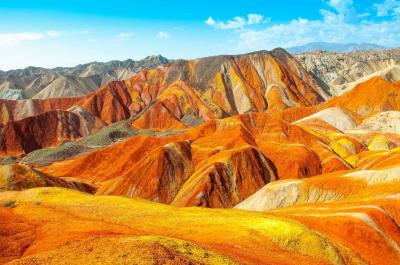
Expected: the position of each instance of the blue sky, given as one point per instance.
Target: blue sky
(53, 33)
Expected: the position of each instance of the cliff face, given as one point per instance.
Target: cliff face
(14, 110)
(43, 130)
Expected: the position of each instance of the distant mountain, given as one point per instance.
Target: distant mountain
(37, 82)
(334, 47)
(337, 72)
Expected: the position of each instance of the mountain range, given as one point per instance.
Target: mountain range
(41, 83)
(339, 72)
(258, 158)
(334, 47)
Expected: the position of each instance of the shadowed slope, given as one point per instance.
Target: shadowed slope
(14, 110)
(21, 177)
(226, 178)
(44, 130)
(157, 176)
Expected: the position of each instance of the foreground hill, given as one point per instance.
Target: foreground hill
(345, 232)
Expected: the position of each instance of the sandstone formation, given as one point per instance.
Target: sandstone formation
(132, 172)
(372, 96)
(21, 177)
(134, 250)
(44, 130)
(290, 236)
(15, 110)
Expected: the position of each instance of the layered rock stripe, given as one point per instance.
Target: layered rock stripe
(314, 179)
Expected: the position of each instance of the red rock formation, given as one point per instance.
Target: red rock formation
(14, 110)
(292, 160)
(110, 103)
(249, 132)
(16, 235)
(226, 179)
(371, 96)
(44, 130)
(159, 117)
(107, 163)
(21, 177)
(157, 176)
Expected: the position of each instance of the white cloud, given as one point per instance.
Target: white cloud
(254, 19)
(124, 35)
(339, 22)
(366, 14)
(343, 10)
(210, 21)
(10, 40)
(163, 35)
(236, 22)
(388, 7)
(53, 33)
(330, 29)
(84, 32)
(342, 6)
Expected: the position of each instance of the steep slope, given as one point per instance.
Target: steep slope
(110, 103)
(157, 177)
(302, 162)
(14, 110)
(226, 178)
(238, 84)
(44, 130)
(67, 86)
(21, 177)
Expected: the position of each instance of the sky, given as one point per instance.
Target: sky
(49, 33)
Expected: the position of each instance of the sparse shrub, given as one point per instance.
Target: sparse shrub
(10, 204)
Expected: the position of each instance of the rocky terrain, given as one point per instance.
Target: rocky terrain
(338, 72)
(41, 83)
(240, 159)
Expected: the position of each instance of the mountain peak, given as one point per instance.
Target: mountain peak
(157, 57)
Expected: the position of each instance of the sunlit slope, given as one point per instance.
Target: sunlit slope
(246, 237)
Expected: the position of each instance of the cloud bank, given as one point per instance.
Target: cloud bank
(339, 22)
